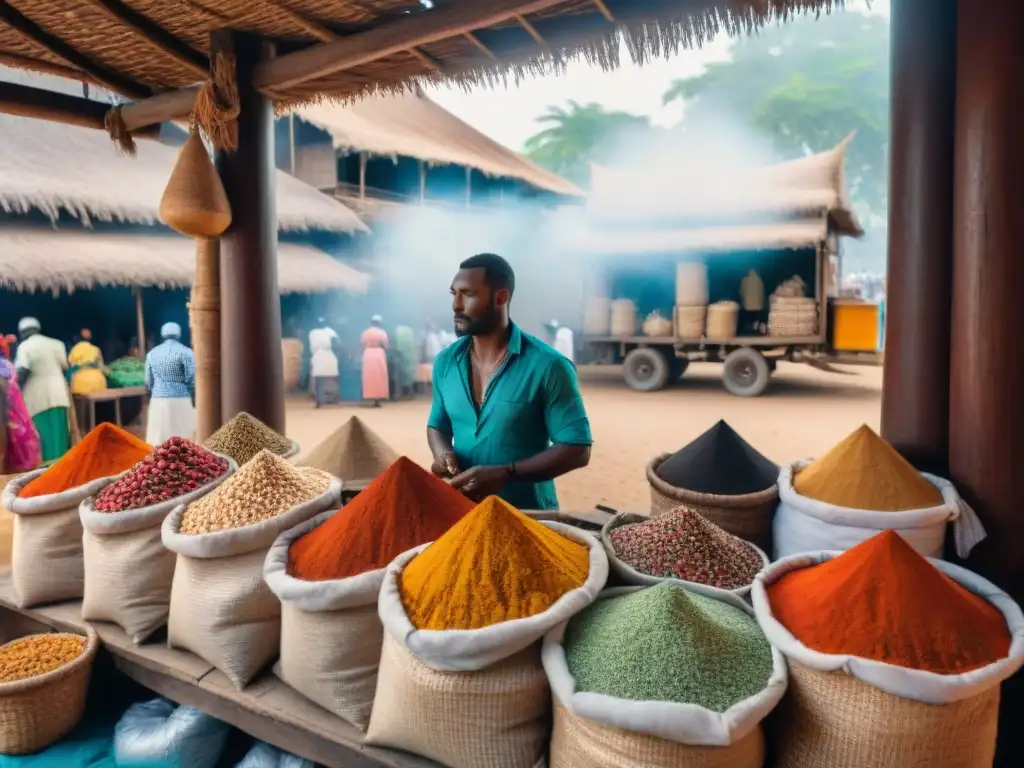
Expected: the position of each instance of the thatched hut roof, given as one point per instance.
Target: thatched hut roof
(807, 187)
(412, 125)
(344, 47)
(70, 259)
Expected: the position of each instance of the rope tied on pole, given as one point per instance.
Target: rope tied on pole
(218, 105)
(113, 121)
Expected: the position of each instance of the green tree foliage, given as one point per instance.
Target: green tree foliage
(807, 84)
(577, 134)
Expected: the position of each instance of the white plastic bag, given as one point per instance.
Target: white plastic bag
(159, 734)
(807, 525)
(265, 756)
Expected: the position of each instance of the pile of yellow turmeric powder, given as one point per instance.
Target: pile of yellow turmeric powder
(494, 565)
(865, 472)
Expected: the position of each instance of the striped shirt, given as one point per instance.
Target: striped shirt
(170, 370)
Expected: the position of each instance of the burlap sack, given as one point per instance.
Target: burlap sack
(221, 609)
(331, 634)
(850, 712)
(471, 698)
(592, 729)
(46, 559)
(128, 569)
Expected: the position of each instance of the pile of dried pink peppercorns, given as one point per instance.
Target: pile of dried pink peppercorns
(177, 467)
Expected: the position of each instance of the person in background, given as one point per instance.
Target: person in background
(433, 342)
(170, 376)
(41, 363)
(375, 362)
(88, 374)
(323, 361)
(23, 451)
(561, 339)
(751, 303)
(507, 416)
(405, 346)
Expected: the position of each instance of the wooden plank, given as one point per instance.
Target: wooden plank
(161, 108)
(40, 104)
(114, 394)
(735, 341)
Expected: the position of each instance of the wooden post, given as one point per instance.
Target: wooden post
(140, 324)
(252, 377)
(362, 175)
(291, 143)
(204, 315)
(915, 401)
(423, 182)
(469, 187)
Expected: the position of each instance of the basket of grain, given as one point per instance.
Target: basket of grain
(43, 683)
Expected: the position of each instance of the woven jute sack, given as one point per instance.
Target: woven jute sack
(221, 609)
(802, 524)
(331, 634)
(128, 569)
(593, 729)
(849, 712)
(471, 698)
(46, 559)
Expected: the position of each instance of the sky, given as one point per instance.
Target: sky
(508, 115)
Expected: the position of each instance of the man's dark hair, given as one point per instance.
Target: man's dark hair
(498, 273)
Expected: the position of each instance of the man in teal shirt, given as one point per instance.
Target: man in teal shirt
(507, 416)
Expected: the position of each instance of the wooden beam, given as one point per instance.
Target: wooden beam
(532, 30)
(320, 32)
(480, 46)
(411, 30)
(426, 59)
(154, 35)
(29, 30)
(38, 65)
(161, 108)
(600, 4)
(23, 101)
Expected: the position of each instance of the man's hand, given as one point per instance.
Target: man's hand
(445, 465)
(480, 482)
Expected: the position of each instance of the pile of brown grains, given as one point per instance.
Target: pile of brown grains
(175, 468)
(263, 488)
(36, 655)
(683, 545)
(244, 436)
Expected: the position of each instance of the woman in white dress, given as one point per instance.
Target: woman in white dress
(323, 363)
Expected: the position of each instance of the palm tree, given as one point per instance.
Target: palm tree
(576, 134)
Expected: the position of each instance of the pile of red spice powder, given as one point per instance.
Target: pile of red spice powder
(177, 467)
(881, 600)
(403, 507)
(106, 451)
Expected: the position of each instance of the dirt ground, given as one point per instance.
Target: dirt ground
(803, 413)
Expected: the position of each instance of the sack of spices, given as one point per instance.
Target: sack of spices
(861, 487)
(46, 556)
(879, 635)
(128, 570)
(328, 571)
(221, 609)
(661, 677)
(460, 677)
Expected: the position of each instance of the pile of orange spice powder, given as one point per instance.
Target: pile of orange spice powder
(881, 600)
(106, 451)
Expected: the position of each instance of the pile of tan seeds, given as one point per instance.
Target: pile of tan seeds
(244, 436)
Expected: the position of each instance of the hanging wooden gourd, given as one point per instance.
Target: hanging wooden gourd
(194, 202)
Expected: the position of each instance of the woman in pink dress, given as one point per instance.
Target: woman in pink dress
(23, 450)
(375, 362)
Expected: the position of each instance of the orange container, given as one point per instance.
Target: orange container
(854, 326)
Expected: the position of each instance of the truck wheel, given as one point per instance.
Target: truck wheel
(678, 368)
(745, 372)
(645, 369)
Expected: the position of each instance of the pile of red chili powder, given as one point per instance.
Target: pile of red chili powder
(177, 467)
(881, 600)
(403, 507)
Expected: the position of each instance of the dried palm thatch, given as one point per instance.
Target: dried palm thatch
(140, 47)
(809, 186)
(411, 125)
(75, 259)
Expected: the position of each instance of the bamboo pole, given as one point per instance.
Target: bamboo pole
(140, 325)
(204, 316)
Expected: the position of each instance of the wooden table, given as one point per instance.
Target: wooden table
(107, 395)
(266, 709)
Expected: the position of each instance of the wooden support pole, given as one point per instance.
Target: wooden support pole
(204, 315)
(140, 321)
(423, 181)
(252, 377)
(291, 143)
(362, 175)
(915, 400)
(469, 187)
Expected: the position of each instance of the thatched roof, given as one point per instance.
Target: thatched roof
(813, 185)
(412, 125)
(70, 259)
(54, 167)
(148, 46)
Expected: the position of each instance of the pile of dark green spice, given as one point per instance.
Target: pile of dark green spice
(664, 643)
(683, 545)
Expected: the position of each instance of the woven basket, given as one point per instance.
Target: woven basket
(690, 321)
(748, 516)
(39, 711)
(194, 202)
(834, 720)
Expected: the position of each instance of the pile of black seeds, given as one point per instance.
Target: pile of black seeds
(719, 462)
